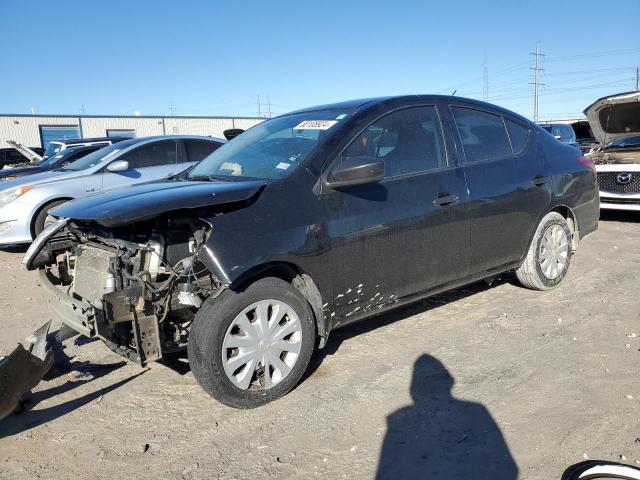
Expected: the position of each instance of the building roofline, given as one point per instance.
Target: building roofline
(205, 117)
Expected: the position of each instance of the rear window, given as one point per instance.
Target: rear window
(518, 134)
(483, 135)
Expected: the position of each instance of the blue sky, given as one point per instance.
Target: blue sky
(215, 58)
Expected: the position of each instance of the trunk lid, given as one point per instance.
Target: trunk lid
(26, 151)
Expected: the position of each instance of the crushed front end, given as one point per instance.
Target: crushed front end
(137, 287)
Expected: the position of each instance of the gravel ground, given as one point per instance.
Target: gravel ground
(500, 379)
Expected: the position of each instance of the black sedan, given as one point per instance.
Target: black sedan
(308, 222)
(58, 160)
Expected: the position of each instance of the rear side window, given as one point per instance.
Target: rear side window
(483, 135)
(518, 135)
(152, 154)
(408, 140)
(199, 149)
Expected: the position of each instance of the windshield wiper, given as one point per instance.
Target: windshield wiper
(209, 178)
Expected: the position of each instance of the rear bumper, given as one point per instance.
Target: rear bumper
(77, 314)
(587, 216)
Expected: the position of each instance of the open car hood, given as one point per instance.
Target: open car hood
(148, 200)
(614, 117)
(26, 151)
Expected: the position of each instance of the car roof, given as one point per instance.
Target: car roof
(381, 101)
(137, 139)
(88, 140)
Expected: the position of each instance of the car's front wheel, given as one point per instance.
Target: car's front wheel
(549, 254)
(250, 347)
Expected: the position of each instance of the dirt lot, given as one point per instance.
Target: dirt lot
(542, 380)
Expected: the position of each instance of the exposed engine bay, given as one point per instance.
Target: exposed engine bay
(608, 156)
(138, 287)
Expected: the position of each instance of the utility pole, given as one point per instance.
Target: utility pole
(536, 82)
(267, 104)
(82, 110)
(485, 90)
(172, 109)
(637, 79)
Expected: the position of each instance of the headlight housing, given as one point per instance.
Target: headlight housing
(8, 196)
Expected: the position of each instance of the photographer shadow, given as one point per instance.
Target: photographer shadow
(442, 437)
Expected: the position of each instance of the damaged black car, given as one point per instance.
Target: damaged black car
(311, 221)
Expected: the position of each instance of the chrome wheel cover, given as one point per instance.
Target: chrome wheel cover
(554, 252)
(262, 345)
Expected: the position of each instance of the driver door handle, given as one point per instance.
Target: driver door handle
(446, 200)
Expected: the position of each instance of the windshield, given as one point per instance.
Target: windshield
(98, 156)
(52, 149)
(272, 149)
(633, 141)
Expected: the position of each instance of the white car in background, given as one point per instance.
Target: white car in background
(26, 201)
(615, 122)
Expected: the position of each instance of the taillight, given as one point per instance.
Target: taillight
(586, 162)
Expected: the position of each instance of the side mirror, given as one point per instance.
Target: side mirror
(356, 171)
(118, 166)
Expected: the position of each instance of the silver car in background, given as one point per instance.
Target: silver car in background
(26, 201)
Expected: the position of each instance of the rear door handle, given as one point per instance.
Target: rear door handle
(446, 200)
(540, 180)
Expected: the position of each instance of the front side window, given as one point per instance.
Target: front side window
(272, 149)
(152, 154)
(408, 141)
(483, 135)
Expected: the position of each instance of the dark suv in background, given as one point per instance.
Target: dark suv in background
(562, 132)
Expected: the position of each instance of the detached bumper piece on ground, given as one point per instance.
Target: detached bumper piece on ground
(23, 369)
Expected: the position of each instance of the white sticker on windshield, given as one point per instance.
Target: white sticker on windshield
(315, 125)
(341, 116)
(283, 166)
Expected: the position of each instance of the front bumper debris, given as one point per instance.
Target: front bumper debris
(23, 369)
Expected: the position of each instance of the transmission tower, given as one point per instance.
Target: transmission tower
(536, 82)
(485, 90)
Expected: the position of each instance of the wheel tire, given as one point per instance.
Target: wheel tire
(38, 224)
(530, 273)
(210, 326)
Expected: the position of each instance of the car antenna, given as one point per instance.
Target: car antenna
(454, 92)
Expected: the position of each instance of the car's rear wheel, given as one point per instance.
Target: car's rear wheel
(43, 219)
(549, 254)
(248, 348)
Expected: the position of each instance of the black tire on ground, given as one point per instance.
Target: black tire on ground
(530, 273)
(209, 329)
(38, 224)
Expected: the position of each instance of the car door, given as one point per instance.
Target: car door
(407, 233)
(150, 161)
(508, 187)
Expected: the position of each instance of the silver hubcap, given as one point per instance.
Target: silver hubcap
(554, 252)
(262, 345)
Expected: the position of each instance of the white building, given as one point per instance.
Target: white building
(38, 130)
